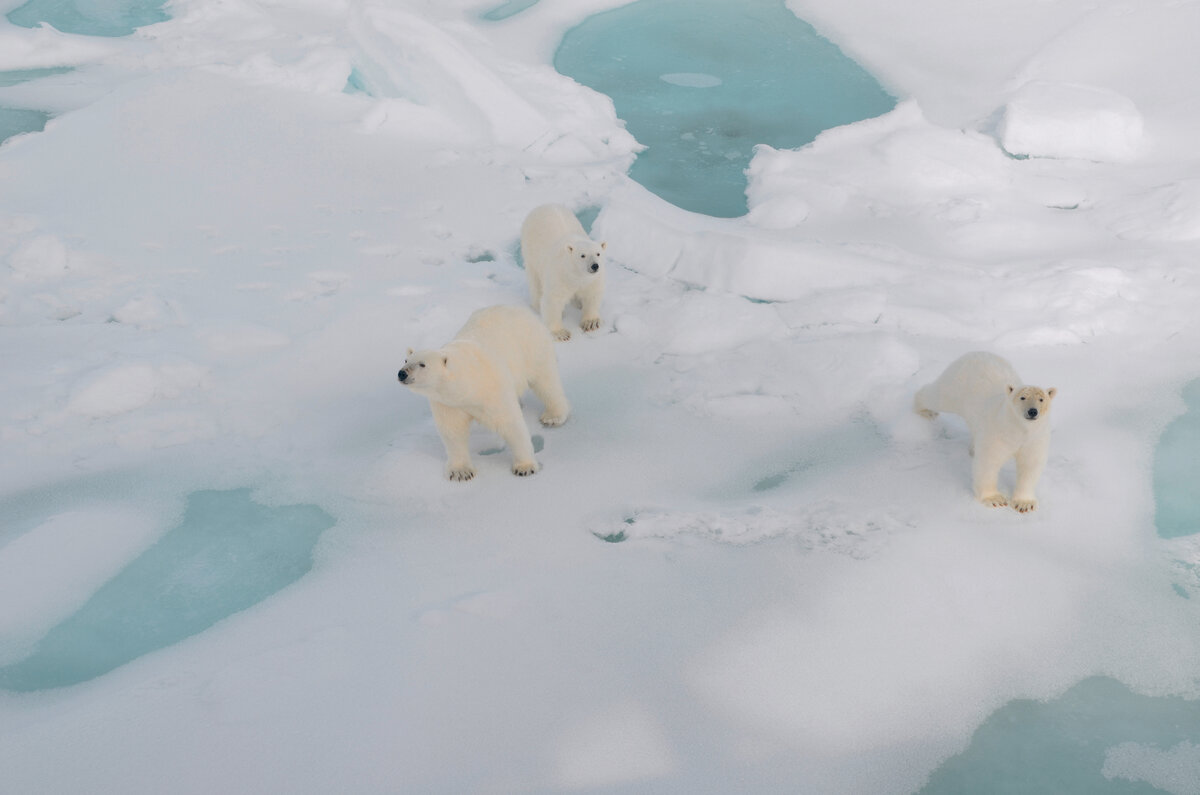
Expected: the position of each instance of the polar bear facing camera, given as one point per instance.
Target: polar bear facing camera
(563, 265)
(480, 375)
(1006, 418)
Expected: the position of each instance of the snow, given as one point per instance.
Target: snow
(745, 564)
(1175, 770)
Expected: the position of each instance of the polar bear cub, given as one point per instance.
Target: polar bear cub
(480, 375)
(1006, 420)
(563, 264)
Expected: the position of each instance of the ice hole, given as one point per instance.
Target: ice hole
(701, 82)
(1066, 745)
(1177, 471)
(229, 553)
(14, 121)
(90, 17)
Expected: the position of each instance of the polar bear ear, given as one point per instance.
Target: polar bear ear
(570, 248)
(604, 246)
(1051, 392)
(1010, 389)
(410, 352)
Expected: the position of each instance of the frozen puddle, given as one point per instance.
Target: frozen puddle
(229, 553)
(1177, 471)
(1098, 738)
(90, 17)
(15, 121)
(701, 82)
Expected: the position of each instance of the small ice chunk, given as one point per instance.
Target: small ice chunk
(1067, 120)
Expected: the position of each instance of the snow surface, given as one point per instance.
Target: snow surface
(745, 564)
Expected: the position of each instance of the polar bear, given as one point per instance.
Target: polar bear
(480, 375)
(1006, 420)
(563, 264)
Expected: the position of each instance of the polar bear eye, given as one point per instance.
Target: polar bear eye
(423, 364)
(1022, 396)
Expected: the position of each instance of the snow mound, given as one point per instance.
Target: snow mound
(1066, 120)
(126, 387)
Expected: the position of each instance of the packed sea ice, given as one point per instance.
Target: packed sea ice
(745, 564)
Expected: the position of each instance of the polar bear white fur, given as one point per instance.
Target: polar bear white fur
(480, 375)
(563, 264)
(1006, 420)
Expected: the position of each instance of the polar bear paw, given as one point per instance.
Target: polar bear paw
(996, 500)
(552, 420)
(590, 323)
(524, 470)
(561, 334)
(462, 474)
(1025, 506)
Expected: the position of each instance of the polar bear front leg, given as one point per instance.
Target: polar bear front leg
(985, 472)
(589, 301)
(552, 307)
(454, 426)
(1031, 460)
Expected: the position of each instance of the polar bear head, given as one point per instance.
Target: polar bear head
(585, 257)
(424, 372)
(1031, 403)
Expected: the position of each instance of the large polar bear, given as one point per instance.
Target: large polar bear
(563, 264)
(1006, 420)
(480, 375)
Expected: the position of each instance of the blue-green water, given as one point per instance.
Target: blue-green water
(14, 121)
(18, 76)
(506, 10)
(90, 17)
(1177, 471)
(229, 553)
(356, 83)
(1060, 747)
(701, 82)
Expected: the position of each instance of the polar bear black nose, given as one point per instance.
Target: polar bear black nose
(595, 267)
(1032, 414)
(402, 375)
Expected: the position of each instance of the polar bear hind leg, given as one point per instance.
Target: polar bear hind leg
(548, 388)
(922, 402)
(510, 424)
